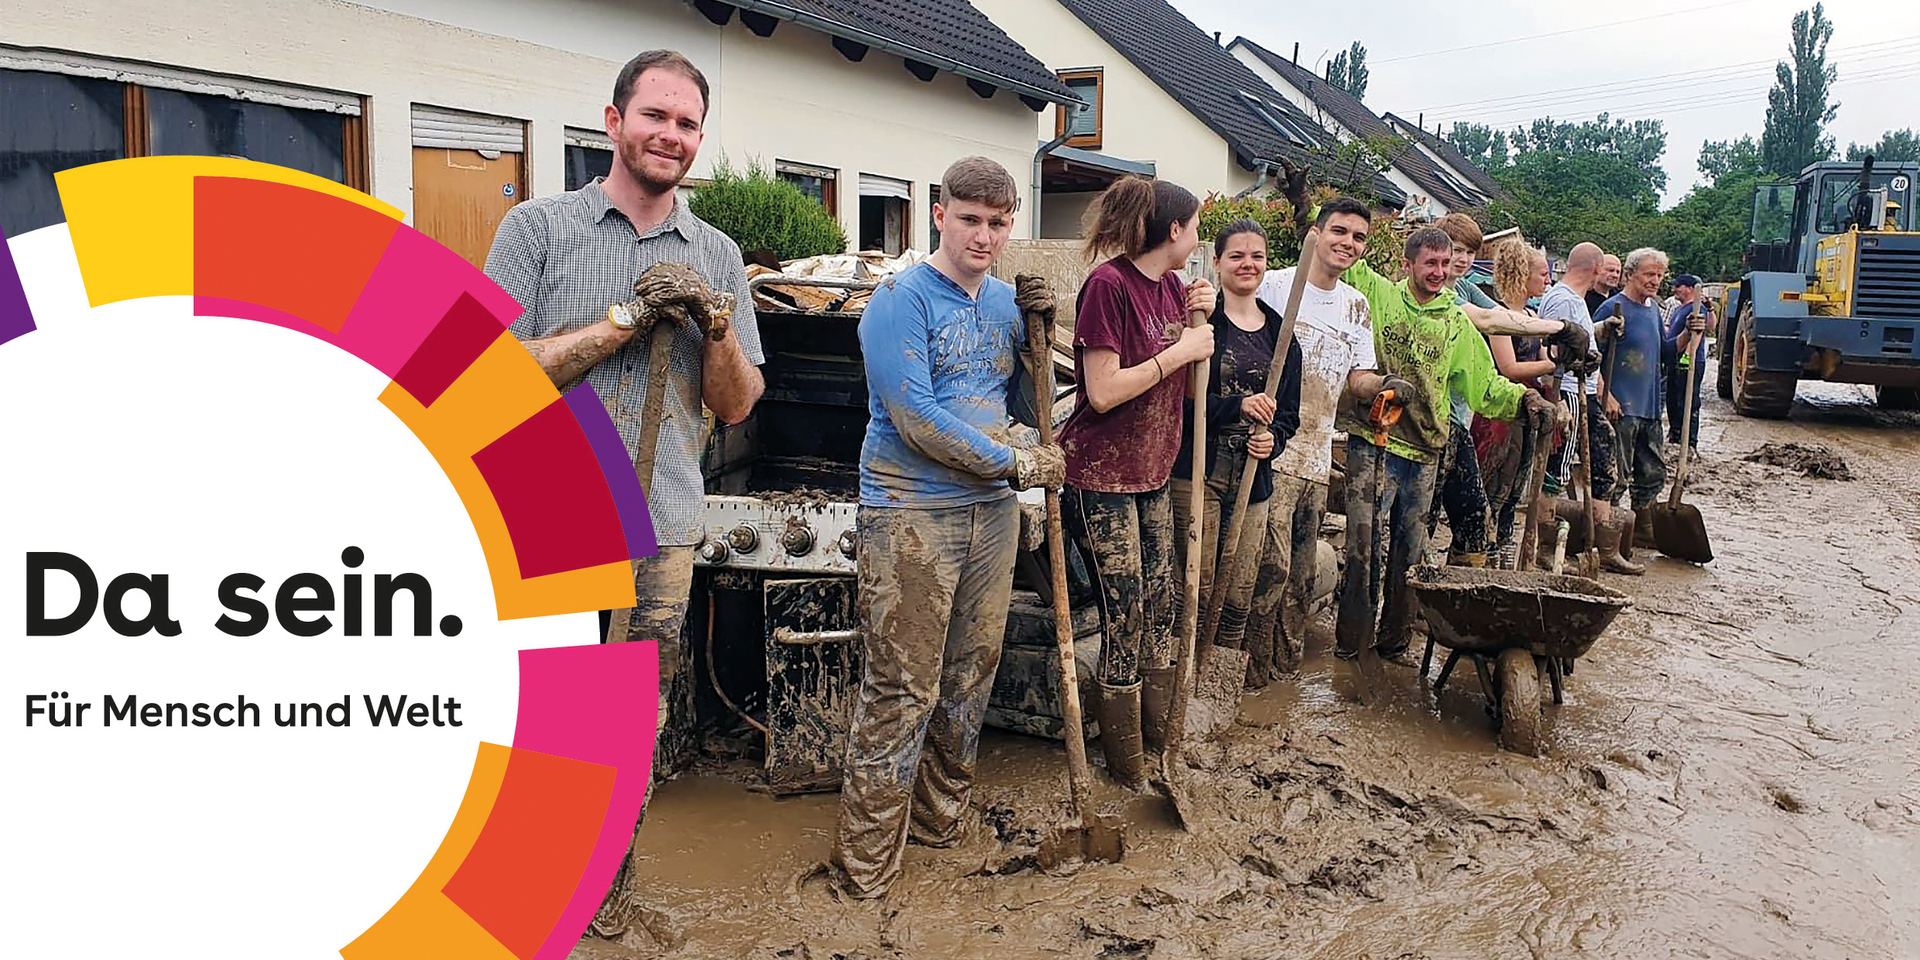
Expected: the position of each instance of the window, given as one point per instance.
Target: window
(69, 115)
(820, 183)
(885, 214)
(933, 230)
(589, 155)
(1082, 128)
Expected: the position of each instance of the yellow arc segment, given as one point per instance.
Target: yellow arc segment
(424, 923)
(132, 220)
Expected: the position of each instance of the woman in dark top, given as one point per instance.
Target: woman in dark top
(1131, 347)
(1519, 274)
(1246, 331)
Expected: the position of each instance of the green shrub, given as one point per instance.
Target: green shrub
(760, 211)
(1283, 240)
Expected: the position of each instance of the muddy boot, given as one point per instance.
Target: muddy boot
(1643, 530)
(1156, 707)
(1120, 734)
(1611, 539)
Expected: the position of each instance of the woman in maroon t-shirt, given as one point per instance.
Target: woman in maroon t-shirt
(1131, 343)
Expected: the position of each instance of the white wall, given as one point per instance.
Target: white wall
(792, 96)
(397, 59)
(1140, 121)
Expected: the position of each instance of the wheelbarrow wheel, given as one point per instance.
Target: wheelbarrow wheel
(1521, 715)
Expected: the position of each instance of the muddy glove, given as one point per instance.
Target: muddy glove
(1043, 466)
(1034, 295)
(1538, 406)
(1571, 338)
(1403, 390)
(1609, 328)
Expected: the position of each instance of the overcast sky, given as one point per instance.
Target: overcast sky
(1712, 88)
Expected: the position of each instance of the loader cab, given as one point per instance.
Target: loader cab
(1790, 220)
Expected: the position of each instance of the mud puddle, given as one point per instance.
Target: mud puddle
(1735, 773)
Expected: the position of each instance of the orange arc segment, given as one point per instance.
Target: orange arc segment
(289, 249)
(423, 922)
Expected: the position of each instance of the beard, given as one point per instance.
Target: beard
(633, 156)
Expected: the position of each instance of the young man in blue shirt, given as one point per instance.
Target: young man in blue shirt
(938, 530)
(1629, 322)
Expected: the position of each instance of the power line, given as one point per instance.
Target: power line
(1630, 89)
(1722, 98)
(1562, 33)
(1863, 50)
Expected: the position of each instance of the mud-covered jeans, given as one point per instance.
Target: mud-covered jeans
(934, 590)
(1646, 461)
(1406, 494)
(662, 585)
(1463, 494)
(1257, 581)
(1130, 538)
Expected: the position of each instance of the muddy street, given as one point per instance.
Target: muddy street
(1736, 773)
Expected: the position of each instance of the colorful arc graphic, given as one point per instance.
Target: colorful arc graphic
(543, 825)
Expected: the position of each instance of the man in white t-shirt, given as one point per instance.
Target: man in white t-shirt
(1335, 333)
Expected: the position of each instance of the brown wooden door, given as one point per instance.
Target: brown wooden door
(459, 197)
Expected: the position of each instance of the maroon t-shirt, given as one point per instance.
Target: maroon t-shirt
(1131, 448)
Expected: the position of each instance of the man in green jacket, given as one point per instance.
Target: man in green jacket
(1427, 349)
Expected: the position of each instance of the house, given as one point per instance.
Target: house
(454, 111)
(1433, 191)
(864, 103)
(1449, 158)
(1166, 100)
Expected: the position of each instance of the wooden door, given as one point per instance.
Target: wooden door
(459, 197)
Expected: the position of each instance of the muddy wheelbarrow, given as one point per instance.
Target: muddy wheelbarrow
(1515, 626)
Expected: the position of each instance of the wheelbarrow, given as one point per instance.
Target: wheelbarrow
(1514, 625)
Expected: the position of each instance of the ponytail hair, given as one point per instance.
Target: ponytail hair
(1135, 216)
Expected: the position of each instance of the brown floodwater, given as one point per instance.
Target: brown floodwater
(1735, 773)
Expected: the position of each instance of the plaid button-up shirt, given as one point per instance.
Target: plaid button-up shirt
(565, 258)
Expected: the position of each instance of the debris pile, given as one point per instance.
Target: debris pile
(1810, 459)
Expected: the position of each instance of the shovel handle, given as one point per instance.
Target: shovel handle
(1686, 427)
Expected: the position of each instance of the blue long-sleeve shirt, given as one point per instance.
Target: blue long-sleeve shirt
(1677, 325)
(939, 364)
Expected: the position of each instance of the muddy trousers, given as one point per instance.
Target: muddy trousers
(1677, 377)
(1309, 510)
(1257, 581)
(1130, 538)
(1644, 462)
(1599, 456)
(1463, 494)
(934, 589)
(1374, 569)
(662, 585)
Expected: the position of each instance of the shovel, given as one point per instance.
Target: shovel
(1087, 836)
(1172, 777)
(1223, 670)
(1678, 529)
(1582, 476)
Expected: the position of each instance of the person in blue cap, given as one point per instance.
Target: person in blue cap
(1686, 339)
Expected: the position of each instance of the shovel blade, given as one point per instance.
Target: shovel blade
(1680, 532)
(1217, 689)
(1100, 838)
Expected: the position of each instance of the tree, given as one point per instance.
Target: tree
(1893, 145)
(760, 211)
(1797, 107)
(1597, 180)
(1483, 145)
(1348, 70)
(1720, 159)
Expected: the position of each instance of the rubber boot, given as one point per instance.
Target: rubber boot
(1643, 530)
(1611, 538)
(1156, 707)
(1120, 734)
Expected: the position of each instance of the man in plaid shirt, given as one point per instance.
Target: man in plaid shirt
(566, 258)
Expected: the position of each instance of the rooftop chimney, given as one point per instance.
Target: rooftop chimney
(1296, 52)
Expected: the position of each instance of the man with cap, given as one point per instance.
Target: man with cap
(1686, 338)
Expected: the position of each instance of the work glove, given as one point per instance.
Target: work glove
(1403, 390)
(1033, 294)
(1293, 186)
(1571, 338)
(1606, 330)
(1538, 406)
(1043, 466)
